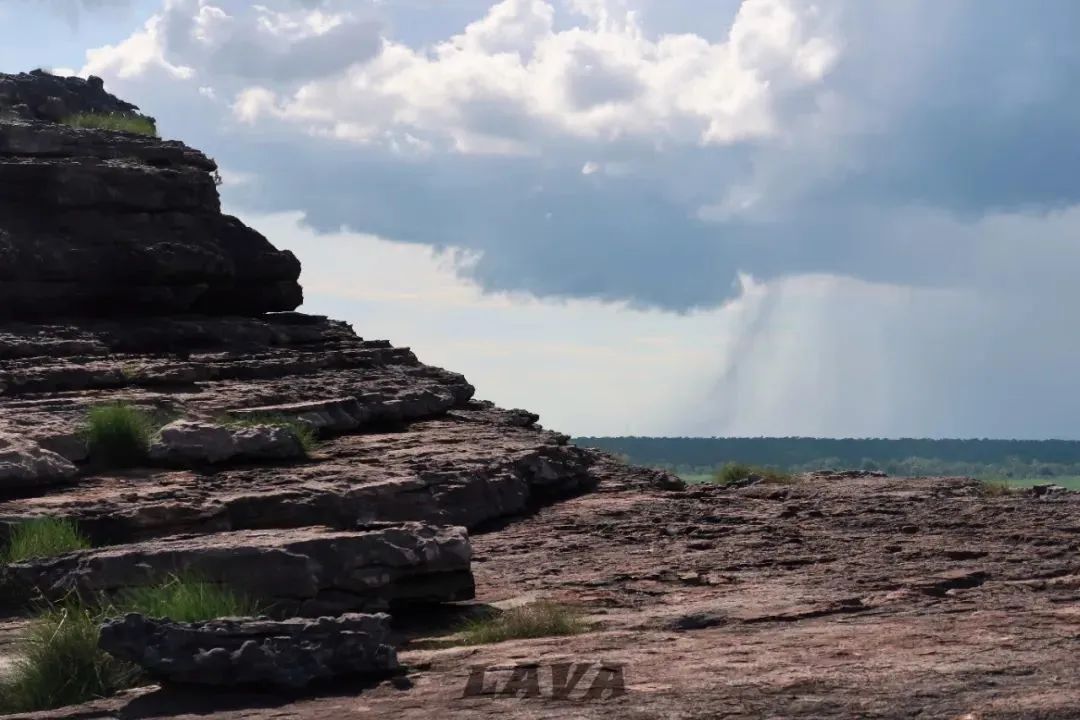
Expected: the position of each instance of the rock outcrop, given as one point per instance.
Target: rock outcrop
(121, 282)
(245, 651)
(307, 572)
(100, 223)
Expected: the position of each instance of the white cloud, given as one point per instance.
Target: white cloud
(233, 42)
(508, 83)
(252, 103)
(142, 55)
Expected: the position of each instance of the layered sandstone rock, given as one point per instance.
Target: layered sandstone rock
(122, 282)
(100, 223)
(307, 572)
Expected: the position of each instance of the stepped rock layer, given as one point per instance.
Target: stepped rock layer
(122, 283)
(401, 440)
(95, 222)
(307, 571)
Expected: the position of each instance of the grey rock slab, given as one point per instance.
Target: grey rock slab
(289, 653)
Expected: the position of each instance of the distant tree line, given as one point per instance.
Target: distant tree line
(907, 456)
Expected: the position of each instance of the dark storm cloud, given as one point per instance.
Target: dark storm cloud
(941, 114)
(966, 111)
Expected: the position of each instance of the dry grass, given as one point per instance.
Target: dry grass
(533, 620)
(996, 489)
(737, 472)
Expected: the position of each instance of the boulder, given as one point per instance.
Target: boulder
(193, 442)
(25, 464)
(246, 651)
(300, 571)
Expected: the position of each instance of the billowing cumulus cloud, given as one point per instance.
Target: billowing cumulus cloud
(235, 41)
(890, 192)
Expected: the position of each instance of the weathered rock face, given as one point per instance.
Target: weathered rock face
(308, 571)
(286, 653)
(190, 442)
(101, 223)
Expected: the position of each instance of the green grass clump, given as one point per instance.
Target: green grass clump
(735, 472)
(533, 620)
(119, 434)
(42, 538)
(303, 431)
(61, 663)
(186, 598)
(120, 122)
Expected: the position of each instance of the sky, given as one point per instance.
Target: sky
(651, 217)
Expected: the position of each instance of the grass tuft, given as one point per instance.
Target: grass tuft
(118, 122)
(61, 663)
(42, 538)
(119, 434)
(992, 488)
(533, 620)
(186, 598)
(303, 431)
(736, 472)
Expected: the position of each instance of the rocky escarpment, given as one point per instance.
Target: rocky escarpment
(100, 223)
(307, 468)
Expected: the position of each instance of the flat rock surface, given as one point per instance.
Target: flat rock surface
(828, 598)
